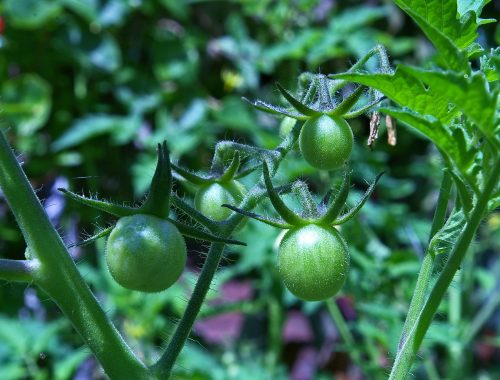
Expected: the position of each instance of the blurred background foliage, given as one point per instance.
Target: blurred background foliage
(87, 90)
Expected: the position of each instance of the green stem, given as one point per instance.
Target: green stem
(18, 270)
(425, 273)
(345, 333)
(59, 277)
(163, 367)
(407, 352)
(480, 319)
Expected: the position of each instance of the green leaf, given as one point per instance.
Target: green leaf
(444, 17)
(470, 93)
(122, 128)
(30, 14)
(490, 65)
(407, 90)
(437, 19)
(476, 6)
(26, 103)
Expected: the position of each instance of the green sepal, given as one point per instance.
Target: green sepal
(269, 221)
(348, 102)
(110, 208)
(93, 238)
(193, 213)
(297, 104)
(335, 208)
(232, 169)
(247, 170)
(360, 111)
(192, 177)
(275, 110)
(281, 208)
(157, 202)
(201, 235)
(352, 212)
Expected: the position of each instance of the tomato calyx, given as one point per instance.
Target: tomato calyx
(326, 213)
(313, 258)
(157, 203)
(217, 187)
(321, 94)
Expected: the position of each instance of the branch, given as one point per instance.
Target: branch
(18, 270)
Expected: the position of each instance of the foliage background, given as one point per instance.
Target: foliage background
(87, 90)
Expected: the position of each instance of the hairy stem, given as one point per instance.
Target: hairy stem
(163, 367)
(344, 332)
(18, 270)
(425, 273)
(58, 276)
(408, 350)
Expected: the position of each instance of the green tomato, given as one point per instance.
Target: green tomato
(326, 142)
(313, 262)
(145, 253)
(209, 198)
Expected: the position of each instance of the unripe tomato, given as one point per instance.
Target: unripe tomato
(326, 142)
(145, 253)
(209, 198)
(313, 262)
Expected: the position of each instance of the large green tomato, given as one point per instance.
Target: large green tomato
(209, 198)
(326, 142)
(145, 253)
(313, 262)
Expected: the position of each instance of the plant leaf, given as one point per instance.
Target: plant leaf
(407, 90)
(443, 16)
(446, 237)
(469, 93)
(438, 20)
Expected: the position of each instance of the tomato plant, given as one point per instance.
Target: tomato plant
(453, 103)
(145, 253)
(326, 142)
(313, 262)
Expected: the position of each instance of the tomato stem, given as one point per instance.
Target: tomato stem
(410, 346)
(18, 270)
(58, 275)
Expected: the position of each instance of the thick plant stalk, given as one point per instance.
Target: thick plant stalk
(58, 276)
(424, 276)
(408, 350)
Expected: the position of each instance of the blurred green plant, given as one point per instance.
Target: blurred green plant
(136, 73)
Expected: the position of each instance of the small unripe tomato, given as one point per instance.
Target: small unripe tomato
(326, 142)
(145, 253)
(313, 262)
(209, 198)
